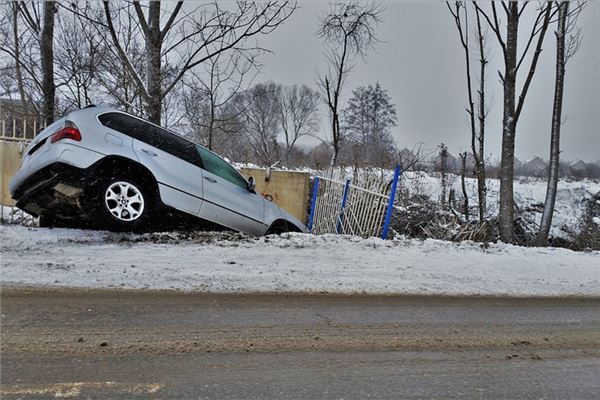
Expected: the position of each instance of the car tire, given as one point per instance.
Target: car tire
(122, 204)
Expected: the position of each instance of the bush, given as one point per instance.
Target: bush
(589, 226)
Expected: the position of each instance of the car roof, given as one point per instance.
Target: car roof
(99, 110)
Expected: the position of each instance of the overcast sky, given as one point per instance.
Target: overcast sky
(421, 64)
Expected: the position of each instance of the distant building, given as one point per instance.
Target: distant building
(451, 162)
(578, 169)
(535, 167)
(578, 166)
(518, 163)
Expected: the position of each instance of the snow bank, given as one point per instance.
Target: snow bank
(234, 263)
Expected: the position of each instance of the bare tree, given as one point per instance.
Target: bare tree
(320, 156)
(443, 156)
(32, 51)
(460, 13)
(349, 31)
(120, 90)
(482, 111)
(209, 90)
(514, 99)
(47, 62)
(298, 114)
(565, 49)
(463, 186)
(188, 39)
(78, 56)
(17, 53)
(259, 109)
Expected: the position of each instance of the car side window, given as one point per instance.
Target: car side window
(125, 124)
(152, 135)
(216, 165)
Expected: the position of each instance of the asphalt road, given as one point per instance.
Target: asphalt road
(153, 345)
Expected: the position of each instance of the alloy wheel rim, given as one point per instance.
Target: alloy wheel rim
(124, 201)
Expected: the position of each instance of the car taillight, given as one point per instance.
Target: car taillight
(69, 131)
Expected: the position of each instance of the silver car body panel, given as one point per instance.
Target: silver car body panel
(182, 185)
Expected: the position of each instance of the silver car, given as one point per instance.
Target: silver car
(112, 170)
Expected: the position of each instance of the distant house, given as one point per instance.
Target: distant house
(578, 166)
(451, 162)
(535, 167)
(518, 163)
(578, 169)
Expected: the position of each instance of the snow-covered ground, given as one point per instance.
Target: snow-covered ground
(233, 263)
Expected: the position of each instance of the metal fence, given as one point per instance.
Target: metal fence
(361, 205)
(15, 135)
(19, 129)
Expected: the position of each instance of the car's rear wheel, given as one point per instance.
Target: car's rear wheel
(122, 204)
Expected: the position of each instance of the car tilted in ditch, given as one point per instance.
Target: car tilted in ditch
(103, 168)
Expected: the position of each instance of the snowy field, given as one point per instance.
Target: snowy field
(530, 194)
(234, 263)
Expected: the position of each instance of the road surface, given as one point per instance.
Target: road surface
(157, 345)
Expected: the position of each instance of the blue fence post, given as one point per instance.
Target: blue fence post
(390, 207)
(338, 227)
(313, 204)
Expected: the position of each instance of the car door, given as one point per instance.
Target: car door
(180, 182)
(227, 200)
(173, 161)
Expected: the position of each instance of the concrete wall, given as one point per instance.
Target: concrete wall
(10, 160)
(289, 190)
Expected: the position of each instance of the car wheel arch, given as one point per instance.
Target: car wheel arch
(118, 164)
(281, 226)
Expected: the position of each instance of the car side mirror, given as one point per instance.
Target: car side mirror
(251, 184)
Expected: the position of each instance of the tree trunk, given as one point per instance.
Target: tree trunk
(211, 124)
(463, 185)
(153, 63)
(443, 171)
(47, 62)
(18, 72)
(546, 222)
(336, 138)
(479, 154)
(506, 214)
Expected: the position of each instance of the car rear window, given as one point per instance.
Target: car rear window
(152, 135)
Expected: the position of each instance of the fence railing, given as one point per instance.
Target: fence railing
(361, 205)
(19, 129)
(15, 135)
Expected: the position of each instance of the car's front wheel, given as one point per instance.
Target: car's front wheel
(122, 204)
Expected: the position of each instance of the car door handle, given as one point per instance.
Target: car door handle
(149, 152)
(211, 180)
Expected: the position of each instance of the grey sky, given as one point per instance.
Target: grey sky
(421, 64)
